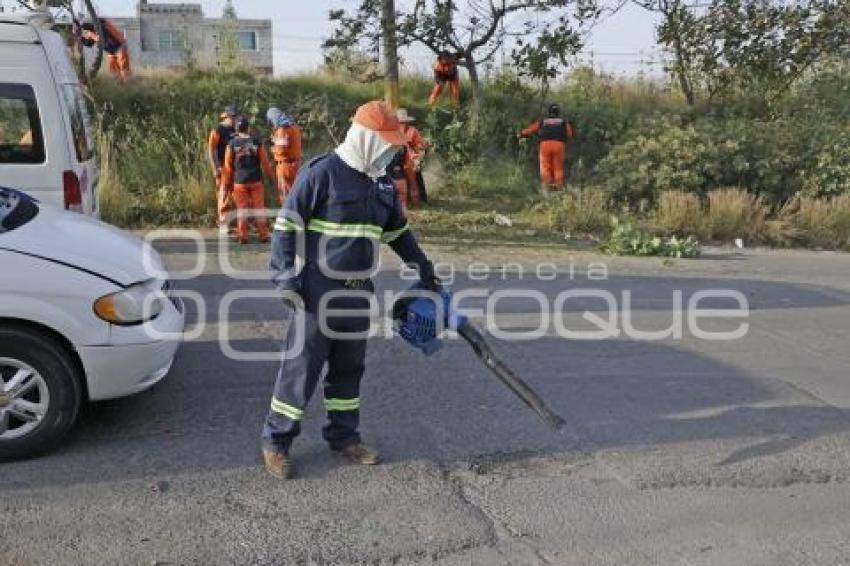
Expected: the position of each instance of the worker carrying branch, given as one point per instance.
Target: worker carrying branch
(342, 204)
(285, 146)
(445, 72)
(114, 45)
(245, 161)
(554, 131)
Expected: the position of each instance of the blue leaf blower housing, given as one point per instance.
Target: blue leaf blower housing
(423, 316)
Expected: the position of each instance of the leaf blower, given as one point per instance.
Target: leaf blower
(421, 316)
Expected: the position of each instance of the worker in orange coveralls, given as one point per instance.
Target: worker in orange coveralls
(114, 45)
(285, 150)
(554, 132)
(403, 173)
(218, 141)
(445, 71)
(245, 161)
(417, 145)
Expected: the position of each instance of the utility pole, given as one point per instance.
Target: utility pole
(391, 92)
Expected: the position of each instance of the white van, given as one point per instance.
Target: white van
(46, 146)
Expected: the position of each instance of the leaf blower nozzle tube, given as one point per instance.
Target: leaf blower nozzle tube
(419, 319)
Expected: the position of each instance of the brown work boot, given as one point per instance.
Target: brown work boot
(360, 454)
(277, 464)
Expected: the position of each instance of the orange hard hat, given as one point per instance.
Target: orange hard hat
(380, 118)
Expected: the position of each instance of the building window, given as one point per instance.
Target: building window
(172, 40)
(247, 40)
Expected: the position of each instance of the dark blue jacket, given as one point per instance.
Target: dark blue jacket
(351, 211)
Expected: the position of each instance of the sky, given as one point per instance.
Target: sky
(620, 44)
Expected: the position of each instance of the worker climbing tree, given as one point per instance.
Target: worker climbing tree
(114, 45)
(445, 72)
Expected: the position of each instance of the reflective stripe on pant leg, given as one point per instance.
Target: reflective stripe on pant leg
(346, 365)
(342, 404)
(288, 411)
(296, 382)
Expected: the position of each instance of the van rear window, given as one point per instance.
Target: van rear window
(21, 139)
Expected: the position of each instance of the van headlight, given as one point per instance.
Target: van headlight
(134, 305)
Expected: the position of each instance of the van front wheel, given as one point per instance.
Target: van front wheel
(40, 393)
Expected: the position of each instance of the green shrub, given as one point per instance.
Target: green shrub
(626, 239)
(829, 171)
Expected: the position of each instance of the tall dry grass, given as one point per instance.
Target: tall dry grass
(735, 213)
(576, 212)
(818, 222)
(163, 189)
(679, 213)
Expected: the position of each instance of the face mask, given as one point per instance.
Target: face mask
(383, 161)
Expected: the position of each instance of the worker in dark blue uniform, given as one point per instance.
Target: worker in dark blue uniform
(342, 206)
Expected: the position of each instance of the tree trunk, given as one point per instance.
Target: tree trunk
(390, 43)
(474, 89)
(682, 74)
(681, 58)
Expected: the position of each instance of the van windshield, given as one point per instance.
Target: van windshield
(21, 139)
(16, 209)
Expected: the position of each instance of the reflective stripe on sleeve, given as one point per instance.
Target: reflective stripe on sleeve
(287, 225)
(344, 230)
(393, 235)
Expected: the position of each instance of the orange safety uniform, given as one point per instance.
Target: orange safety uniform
(286, 152)
(115, 47)
(445, 71)
(403, 173)
(245, 161)
(416, 144)
(218, 141)
(554, 133)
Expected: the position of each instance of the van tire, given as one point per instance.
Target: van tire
(55, 373)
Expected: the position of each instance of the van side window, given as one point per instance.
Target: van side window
(80, 122)
(21, 139)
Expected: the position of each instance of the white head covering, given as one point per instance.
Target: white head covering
(361, 150)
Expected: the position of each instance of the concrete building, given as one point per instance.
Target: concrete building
(174, 36)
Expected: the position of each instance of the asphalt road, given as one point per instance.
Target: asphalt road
(676, 451)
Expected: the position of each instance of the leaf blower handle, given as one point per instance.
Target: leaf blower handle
(519, 387)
